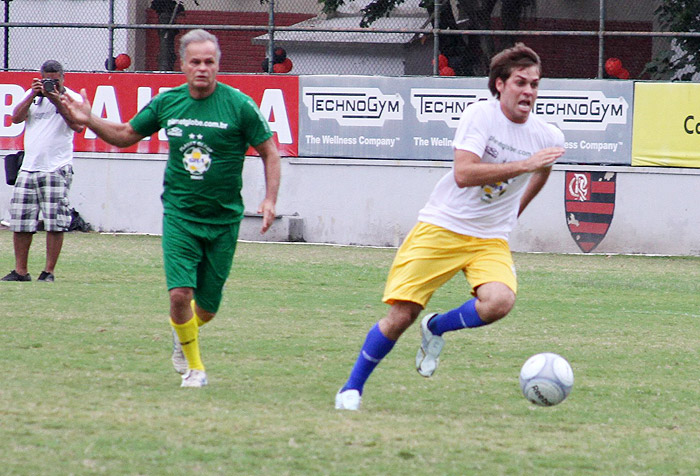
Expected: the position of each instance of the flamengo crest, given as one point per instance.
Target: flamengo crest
(590, 204)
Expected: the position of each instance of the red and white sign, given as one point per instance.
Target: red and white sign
(589, 201)
(119, 96)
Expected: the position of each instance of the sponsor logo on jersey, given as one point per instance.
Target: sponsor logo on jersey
(196, 161)
(174, 132)
(196, 156)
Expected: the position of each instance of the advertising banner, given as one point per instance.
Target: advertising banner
(416, 118)
(118, 96)
(594, 115)
(666, 125)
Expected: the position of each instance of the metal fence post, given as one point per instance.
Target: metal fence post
(601, 39)
(436, 37)
(7, 33)
(271, 37)
(110, 37)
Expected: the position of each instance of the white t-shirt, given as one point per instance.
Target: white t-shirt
(489, 211)
(48, 141)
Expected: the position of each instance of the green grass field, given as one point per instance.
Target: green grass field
(88, 387)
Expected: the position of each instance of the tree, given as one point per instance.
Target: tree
(681, 61)
(468, 55)
(168, 11)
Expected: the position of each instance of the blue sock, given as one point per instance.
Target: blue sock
(459, 318)
(374, 349)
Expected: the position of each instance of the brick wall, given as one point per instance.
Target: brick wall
(577, 56)
(562, 56)
(238, 54)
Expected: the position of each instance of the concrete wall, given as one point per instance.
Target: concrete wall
(375, 203)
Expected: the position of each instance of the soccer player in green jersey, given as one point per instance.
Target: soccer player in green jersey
(209, 126)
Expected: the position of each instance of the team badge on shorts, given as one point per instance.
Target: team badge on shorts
(590, 204)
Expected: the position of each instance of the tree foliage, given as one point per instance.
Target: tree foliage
(468, 54)
(682, 60)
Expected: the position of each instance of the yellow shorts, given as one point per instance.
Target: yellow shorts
(431, 255)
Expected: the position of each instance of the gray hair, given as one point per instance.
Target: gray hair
(198, 36)
(51, 66)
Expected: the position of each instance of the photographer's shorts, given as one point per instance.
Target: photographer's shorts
(45, 192)
(198, 256)
(431, 255)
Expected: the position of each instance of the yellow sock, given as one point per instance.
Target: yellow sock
(198, 319)
(188, 333)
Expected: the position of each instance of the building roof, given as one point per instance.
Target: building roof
(407, 16)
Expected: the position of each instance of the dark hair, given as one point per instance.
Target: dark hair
(502, 65)
(51, 66)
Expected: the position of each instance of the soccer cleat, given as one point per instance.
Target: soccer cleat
(47, 277)
(178, 357)
(194, 378)
(15, 276)
(349, 399)
(428, 356)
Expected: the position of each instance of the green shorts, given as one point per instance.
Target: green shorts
(198, 256)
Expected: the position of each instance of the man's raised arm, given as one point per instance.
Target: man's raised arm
(115, 133)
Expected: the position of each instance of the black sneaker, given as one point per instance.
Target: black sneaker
(45, 276)
(15, 276)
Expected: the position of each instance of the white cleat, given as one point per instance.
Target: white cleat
(428, 356)
(194, 378)
(348, 400)
(178, 357)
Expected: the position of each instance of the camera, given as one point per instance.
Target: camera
(50, 85)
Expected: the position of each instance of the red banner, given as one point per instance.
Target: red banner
(118, 96)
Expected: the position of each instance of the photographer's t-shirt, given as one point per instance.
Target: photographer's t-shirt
(208, 139)
(48, 141)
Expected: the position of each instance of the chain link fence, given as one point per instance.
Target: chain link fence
(637, 39)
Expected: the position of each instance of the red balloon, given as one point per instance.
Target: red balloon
(613, 66)
(287, 64)
(447, 71)
(283, 67)
(122, 61)
(623, 74)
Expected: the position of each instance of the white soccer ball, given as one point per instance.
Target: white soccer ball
(546, 379)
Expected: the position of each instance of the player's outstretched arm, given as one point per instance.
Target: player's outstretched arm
(271, 163)
(115, 133)
(537, 181)
(470, 171)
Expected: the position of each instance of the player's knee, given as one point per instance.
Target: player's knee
(502, 307)
(180, 297)
(400, 317)
(497, 306)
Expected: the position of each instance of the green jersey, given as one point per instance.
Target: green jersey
(208, 139)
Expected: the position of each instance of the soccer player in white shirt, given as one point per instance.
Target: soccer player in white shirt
(502, 159)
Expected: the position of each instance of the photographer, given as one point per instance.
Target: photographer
(44, 180)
